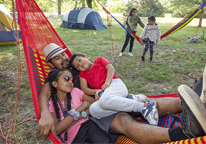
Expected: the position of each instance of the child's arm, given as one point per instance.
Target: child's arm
(90, 99)
(68, 121)
(158, 34)
(110, 74)
(84, 87)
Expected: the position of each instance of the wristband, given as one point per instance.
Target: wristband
(84, 114)
(74, 113)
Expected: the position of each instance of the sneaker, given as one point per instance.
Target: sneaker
(139, 98)
(120, 54)
(142, 58)
(150, 61)
(130, 54)
(193, 120)
(150, 113)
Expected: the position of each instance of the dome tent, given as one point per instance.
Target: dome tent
(7, 35)
(82, 18)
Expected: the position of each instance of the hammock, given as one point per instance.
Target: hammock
(37, 32)
(177, 27)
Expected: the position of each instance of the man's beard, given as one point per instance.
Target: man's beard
(67, 66)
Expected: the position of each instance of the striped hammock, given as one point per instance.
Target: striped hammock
(37, 32)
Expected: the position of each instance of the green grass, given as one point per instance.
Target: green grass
(175, 63)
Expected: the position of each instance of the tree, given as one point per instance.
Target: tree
(145, 7)
(184, 7)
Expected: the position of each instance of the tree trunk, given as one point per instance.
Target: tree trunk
(89, 3)
(59, 6)
(201, 16)
(83, 3)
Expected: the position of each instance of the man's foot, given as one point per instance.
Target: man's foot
(142, 58)
(150, 61)
(193, 120)
(130, 54)
(197, 87)
(139, 98)
(120, 54)
(150, 113)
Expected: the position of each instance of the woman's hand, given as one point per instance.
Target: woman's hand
(105, 85)
(97, 94)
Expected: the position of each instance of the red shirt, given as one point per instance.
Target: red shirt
(96, 77)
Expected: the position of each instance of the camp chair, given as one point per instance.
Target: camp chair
(37, 32)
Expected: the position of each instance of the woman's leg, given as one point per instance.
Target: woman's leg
(131, 43)
(127, 37)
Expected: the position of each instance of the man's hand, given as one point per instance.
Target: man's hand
(105, 85)
(46, 123)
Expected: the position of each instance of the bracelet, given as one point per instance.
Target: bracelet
(74, 113)
(84, 114)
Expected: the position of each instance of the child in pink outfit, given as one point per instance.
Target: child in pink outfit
(69, 109)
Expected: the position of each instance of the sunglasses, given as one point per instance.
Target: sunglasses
(66, 78)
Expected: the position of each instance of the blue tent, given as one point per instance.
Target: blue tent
(82, 18)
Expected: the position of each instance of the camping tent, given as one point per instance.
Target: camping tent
(7, 35)
(82, 18)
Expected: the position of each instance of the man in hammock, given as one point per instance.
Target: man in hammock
(123, 123)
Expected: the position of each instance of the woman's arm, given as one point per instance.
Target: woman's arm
(140, 22)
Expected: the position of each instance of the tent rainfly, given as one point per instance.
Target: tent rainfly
(82, 18)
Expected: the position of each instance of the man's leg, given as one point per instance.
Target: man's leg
(123, 123)
(167, 104)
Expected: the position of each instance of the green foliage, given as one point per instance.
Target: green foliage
(181, 8)
(145, 8)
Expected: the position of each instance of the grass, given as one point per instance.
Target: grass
(175, 63)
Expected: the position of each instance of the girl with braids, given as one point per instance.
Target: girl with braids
(131, 24)
(70, 109)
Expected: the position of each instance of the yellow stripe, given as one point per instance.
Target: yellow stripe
(184, 24)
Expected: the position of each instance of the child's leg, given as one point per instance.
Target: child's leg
(151, 49)
(114, 98)
(98, 112)
(147, 45)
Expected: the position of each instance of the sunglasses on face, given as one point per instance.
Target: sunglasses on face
(66, 78)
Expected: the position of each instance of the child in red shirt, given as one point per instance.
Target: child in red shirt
(100, 75)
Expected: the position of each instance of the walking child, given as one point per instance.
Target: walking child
(151, 35)
(100, 75)
(69, 109)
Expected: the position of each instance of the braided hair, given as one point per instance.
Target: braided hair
(54, 77)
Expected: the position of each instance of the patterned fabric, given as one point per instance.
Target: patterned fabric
(152, 32)
(132, 23)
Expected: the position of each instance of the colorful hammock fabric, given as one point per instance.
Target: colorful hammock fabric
(37, 32)
(177, 27)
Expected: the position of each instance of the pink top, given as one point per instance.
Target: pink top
(76, 101)
(96, 77)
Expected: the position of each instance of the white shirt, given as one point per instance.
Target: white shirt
(152, 32)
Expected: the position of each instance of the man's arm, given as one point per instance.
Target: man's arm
(46, 122)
